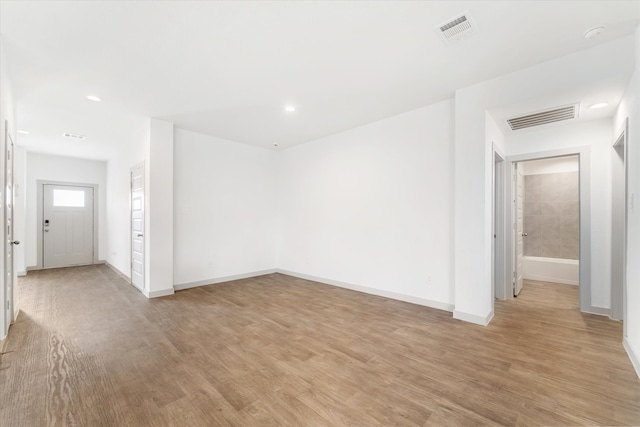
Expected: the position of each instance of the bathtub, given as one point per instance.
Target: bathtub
(556, 270)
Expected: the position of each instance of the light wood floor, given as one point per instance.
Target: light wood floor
(89, 350)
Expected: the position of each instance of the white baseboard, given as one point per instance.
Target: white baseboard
(157, 294)
(22, 273)
(635, 357)
(473, 318)
(183, 286)
(552, 279)
(602, 311)
(367, 290)
(118, 272)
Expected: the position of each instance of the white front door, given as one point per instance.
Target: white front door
(137, 226)
(519, 208)
(67, 225)
(8, 232)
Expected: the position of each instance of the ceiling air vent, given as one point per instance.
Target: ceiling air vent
(73, 135)
(544, 117)
(456, 29)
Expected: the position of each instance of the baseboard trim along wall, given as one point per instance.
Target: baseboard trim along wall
(160, 293)
(118, 272)
(473, 318)
(602, 311)
(635, 358)
(183, 286)
(372, 291)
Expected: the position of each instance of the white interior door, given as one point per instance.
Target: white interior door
(519, 210)
(67, 225)
(137, 226)
(8, 232)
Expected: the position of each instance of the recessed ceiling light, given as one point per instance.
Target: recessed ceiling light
(594, 32)
(289, 108)
(598, 105)
(94, 98)
(23, 132)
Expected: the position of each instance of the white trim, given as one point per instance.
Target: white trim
(543, 278)
(157, 294)
(189, 285)
(473, 318)
(40, 183)
(601, 311)
(633, 356)
(372, 291)
(584, 153)
(118, 272)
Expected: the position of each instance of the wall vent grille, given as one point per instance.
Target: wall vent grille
(544, 117)
(456, 29)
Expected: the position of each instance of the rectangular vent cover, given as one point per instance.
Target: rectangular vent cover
(456, 29)
(73, 135)
(545, 117)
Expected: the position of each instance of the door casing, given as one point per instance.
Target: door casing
(40, 217)
(584, 156)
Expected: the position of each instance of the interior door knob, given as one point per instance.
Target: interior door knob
(15, 242)
(524, 234)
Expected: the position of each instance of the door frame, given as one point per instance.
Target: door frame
(8, 291)
(584, 159)
(498, 272)
(142, 165)
(619, 233)
(40, 218)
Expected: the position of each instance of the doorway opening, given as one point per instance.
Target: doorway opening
(549, 222)
(67, 232)
(547, 210)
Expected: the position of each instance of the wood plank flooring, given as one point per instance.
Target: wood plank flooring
(89, 350)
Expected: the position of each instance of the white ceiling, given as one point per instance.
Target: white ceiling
(227, 69)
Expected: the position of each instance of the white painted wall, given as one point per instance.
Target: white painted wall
(630, 107)
(159, 200)
(134, 152)
(371, 207)
(597, 135)
(225, 209)
(569, 75)
(553, 165)
(20, 207)
(56, 168)
(8, 114)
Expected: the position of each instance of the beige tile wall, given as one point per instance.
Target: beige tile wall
(551, 215)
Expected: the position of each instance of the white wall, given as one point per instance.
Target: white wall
(134, 152)
(20, 207)
(371, 207)
(8, 114)
(629, 107)
(159, 201)
(224, 211)
(597, 135)
(66, 169)
(570, 75)
(553, 165)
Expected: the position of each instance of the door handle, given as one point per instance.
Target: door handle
(15, 242)
(139, 235)
(524, 234)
